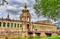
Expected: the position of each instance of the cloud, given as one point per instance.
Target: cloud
(14, 8)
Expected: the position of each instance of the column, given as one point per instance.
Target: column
(13, 25)
(34, 34)
(6, 24)
(24, 26)
(42, 34)
(54, 34)
(2, 24)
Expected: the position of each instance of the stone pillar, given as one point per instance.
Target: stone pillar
(42, 34)
(24, 26)
(34, 34)
(6, 24)
(30, 26)
(27, 34)
(2, 24)
(13, 25)
(24, 34)
(54, 34)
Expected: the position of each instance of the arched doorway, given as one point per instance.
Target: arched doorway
(37, 34)
(48, 34)
(58, 33)
(30, 33)
(28, 28)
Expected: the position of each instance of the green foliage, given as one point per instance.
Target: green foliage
(48, 8)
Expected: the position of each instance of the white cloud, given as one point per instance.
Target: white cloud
(22, 1)
(14, 9)
(11, 7)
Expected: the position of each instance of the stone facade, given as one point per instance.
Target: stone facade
(24, 27)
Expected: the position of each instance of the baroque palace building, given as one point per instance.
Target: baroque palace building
(24, 27)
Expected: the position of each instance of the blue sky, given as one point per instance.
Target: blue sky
(14, 9)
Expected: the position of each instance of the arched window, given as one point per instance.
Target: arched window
(11, 24)
(15, 25)
(8, 24)
(20, 25)
(4, 24)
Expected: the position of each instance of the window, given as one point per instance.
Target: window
(27, 26)
(15, 25)
(20, 25)
(33, 26)
(8, 24)
(11, 24)
(0, 24)
(4, 24)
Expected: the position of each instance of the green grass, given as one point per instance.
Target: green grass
(53, 37)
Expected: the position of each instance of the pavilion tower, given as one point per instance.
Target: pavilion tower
(26, 18)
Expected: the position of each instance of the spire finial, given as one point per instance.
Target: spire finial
(8, 16)
(25, 5)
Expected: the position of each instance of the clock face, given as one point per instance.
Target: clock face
(1, 1)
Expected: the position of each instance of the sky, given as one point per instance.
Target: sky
(15, 7)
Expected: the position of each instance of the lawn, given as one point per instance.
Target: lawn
(53, 37)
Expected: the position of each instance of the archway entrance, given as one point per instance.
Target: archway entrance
(37, 34)
(30, 33)
(28, 27)
(48, 34)
(58, 33)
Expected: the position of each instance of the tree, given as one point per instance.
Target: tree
(48, 8)
(3, 1)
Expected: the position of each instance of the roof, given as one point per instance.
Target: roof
(45, 22)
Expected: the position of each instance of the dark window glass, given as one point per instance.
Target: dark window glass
(27, 26)
(8, 24)
(4, 24)
(20, 25)
(11, 24)
(0, 24)
(15, 25)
